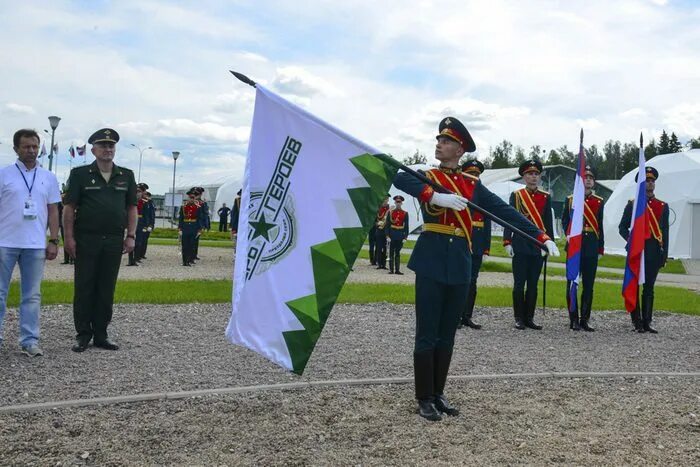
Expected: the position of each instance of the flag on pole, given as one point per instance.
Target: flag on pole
(310, 196)
(639, 232)
(71, 151)
(574, 236)
(81, 150)
(43, 150)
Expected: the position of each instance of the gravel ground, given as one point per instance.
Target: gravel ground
(182, 347)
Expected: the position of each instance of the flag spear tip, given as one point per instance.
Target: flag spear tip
(581, 135)
(243, 78)
(641, 139)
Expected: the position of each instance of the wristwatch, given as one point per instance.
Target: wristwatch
(130, 236)
(53, 241)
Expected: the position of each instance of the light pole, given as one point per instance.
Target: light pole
(53, 121)
(140, 157)
(176, 154)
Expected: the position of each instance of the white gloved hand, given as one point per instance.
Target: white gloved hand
(149, 229)
(552, 249)
(509, 250)
(451, 201)
(600, 257)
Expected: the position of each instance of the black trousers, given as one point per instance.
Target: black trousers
(188, 247)
(380, 248)
(372, 241)
(653, 260)
(471, 298)
(97, 262)
(223, 224)
(526, 272)
(589, 267)
(438, 310)
(395, 255)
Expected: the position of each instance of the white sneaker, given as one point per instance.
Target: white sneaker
(32, 350)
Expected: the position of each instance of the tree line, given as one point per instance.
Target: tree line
(612, 161)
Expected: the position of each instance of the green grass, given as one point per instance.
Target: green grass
(606, 296)
(173, 241)
(213, 234)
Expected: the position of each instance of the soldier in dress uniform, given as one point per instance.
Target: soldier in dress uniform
(141, 225)
(380, 234)
(481, 245)
(150, 214)
(592, 247)
(441, 260)
(223, 213)
(655, 249)
(536, 205)
(397, 233)
(190, 225)
(206, 219)
(235, 214)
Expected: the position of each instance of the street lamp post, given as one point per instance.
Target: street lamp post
(176, 154)
(141, 151)
(53, 121)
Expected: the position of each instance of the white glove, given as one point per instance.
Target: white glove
(149, 229)
(509, 250)
(451, 201)
(600, 257)
(552, 249)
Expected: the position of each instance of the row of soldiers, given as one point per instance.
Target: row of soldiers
(527, 262)
(146, 212)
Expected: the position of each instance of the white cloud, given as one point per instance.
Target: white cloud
(589, 123)
(635, 112)
(18, 109)
(299, 82)
(184, 128)
(684, 120)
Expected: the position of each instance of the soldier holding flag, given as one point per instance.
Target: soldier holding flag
(592, 245)
(442, 259)
(655, 247)
(380, 228)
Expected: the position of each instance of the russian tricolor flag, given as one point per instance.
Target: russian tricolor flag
(575, 234)
(634, 265)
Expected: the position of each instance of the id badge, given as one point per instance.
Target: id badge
(29, 210)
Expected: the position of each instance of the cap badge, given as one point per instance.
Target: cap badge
(448, 121)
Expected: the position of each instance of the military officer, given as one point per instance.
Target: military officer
(206, 219)
(380, 234)
(655, 248)
(223, 213)
(397, 233)
(235, 214)
(536, 205)
(150, 214)
(100, 205)
(135, 255)
(441, 260)
(481, 245)
(190, 225)
(592, 247)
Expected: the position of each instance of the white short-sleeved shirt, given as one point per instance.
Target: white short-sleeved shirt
(15, 230)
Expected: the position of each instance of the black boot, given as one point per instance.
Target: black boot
(131, 262)
(647, 309)
(637, 320)
(518, 310)
(586, 315)
(391, 264)
(443, 357)
(397, 263)
(530, 305)
(425, 393)
(469, 309)
(573, 321)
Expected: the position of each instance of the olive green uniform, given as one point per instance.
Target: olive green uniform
(100, 221)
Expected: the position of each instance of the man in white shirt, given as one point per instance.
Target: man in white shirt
(28, 203)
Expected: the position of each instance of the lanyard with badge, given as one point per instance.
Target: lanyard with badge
(29, 211)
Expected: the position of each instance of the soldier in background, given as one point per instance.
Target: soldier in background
(223, 213)
(206, 219)
(592, 247)
(536, 205)
(190, 225)
(150, 214)
(481, 245)
(655, 249)
(140, 224)
(397, 233)
(380, 228)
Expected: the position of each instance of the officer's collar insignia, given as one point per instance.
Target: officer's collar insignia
(93, 181)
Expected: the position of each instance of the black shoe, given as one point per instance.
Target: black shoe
(573, 325)
(585, 326)
(107, 345)
(80, 346)
(532, 325)
(649, 329)
(197, 258)
(519, 324)
(186, 264)
(66, 262)
(143, 257)
(391, 272)
(132, 264)
(399, 273)
(471, 324)
(427, 410)
(442, 405)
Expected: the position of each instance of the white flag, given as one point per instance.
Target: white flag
(310, 195)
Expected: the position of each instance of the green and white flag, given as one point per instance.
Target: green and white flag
(310, 195)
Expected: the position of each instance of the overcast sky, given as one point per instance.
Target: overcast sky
(532, 72)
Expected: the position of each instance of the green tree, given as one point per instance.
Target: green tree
(594, 158)
(519, 157)
(629, 158)
(415, 158)
(567, 157)
(664, 146)
(501, 155)
(613, 156)
(554, 158)
(694, 143)
(651, 150)
(674, 144)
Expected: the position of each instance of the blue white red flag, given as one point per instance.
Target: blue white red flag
(634, 265)
(43, 150)
(575, 234)
(71, 151)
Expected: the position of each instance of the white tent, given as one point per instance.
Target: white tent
(679, 186)
(226, 194)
